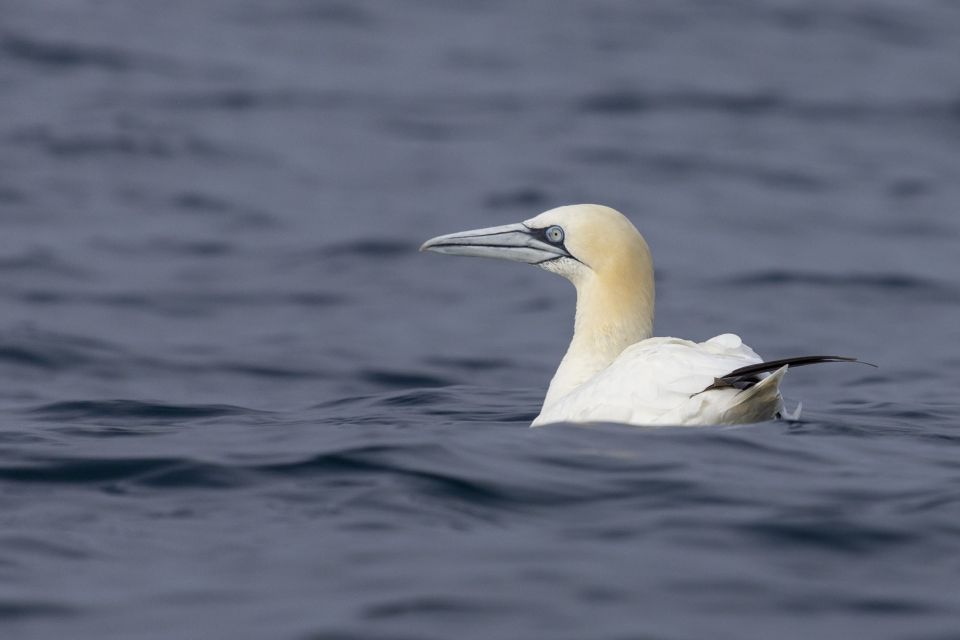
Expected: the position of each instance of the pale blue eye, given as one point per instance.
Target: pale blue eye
(555, 234)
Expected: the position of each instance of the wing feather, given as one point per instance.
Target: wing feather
(650, 380)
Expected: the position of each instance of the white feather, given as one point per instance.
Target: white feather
(659, 381)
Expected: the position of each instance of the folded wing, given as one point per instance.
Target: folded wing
(652, 382)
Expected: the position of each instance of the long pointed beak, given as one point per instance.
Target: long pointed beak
(515, 242)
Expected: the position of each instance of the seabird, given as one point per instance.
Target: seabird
(614, 370)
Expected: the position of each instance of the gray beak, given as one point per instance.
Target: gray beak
(515, 242)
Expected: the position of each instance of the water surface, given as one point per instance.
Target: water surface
(237, 403)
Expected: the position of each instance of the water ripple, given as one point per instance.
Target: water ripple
(48, 53)
(98, 410)
(15, 609)
(758, 104)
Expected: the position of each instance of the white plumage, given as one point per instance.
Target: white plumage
(614, 371)
(659, 380)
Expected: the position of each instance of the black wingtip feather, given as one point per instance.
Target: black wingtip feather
(773, 365)
(746, 377)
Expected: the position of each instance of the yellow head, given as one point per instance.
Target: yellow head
(600, 251)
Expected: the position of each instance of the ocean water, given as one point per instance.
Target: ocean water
(236, 402)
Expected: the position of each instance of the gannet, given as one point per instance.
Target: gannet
(614, 370)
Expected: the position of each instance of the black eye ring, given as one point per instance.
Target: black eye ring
(554, 234)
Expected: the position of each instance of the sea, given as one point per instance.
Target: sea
(237, 403)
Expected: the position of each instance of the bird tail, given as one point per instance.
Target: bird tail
(758, 402)
(759, 395)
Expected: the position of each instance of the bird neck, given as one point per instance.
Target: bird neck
(614, 310)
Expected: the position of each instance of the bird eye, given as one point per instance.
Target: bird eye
(555, 234)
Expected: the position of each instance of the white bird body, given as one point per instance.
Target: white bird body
(614, 371)
(658, 381)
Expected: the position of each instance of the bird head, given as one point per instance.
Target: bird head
(576, 241)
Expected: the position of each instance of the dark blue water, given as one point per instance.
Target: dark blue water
(235, 402)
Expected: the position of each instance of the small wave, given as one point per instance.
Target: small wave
(53, 351)
(197, 203)
(899, 418)
(883, 281)
(23, 356)
(63, 54)
(398, 608)
(23, 545)
(60, 352)
(11, 195)
(632, 102)
(193, 474)
(416, 397)
(12, 609)
(41, 261)
(784, 177)
(81, 471)
(893, 26)
(183, 303)
(470, 364)
(756, 104)
(403, 379)
(409, 462)
(243, 99)
(456, 402)
(168, 246)
(833, 535)
(79, 410)
(268, 371)
(453, 404)
(524, 197)
(127, 142)
(334, 14)
(170, 472)
(413, 127)
(372, 248)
